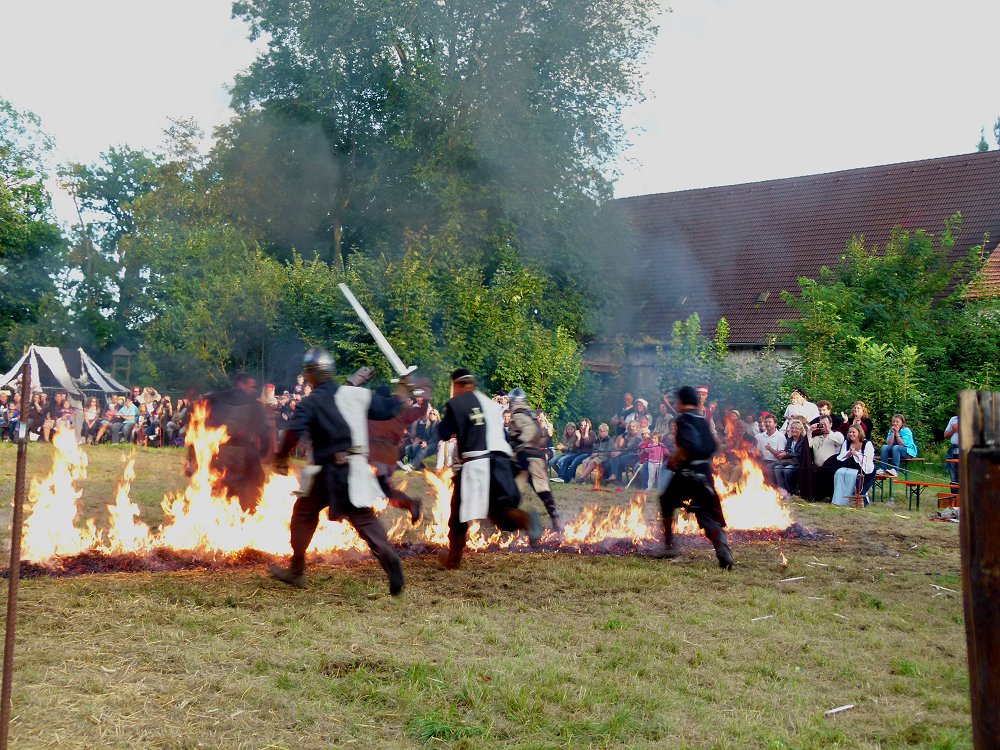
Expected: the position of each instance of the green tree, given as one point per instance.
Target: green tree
(891, 325)
(30, 242)
(422, 115)
(982, 145)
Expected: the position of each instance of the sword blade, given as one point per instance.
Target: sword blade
(383, 344)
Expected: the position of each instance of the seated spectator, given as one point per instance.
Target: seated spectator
(418, 450)
(177, 424)
(788, 467)
(859, 417)
(600, 454)
(854, 467)
(4, 414)
(898, 446)
(800, 406)
(585, 446)
(139, 433)
(125, 419)
(664, 417)
(770, 445)
(626, 452)
(53, 413)
(13, 418)
(825, 444)
(34, 416)
(568, 446)
(447, 453)
(640, 410)
(91, 421)
(826, 410)
(951, 434)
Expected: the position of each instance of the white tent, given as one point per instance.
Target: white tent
(70, 369)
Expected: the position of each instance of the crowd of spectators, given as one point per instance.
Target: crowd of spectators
(816, 453)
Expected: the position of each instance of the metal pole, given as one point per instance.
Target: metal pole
(14, 571)
(979, 532)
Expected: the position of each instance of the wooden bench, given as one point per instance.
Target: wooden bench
(913, 489)
(879, 485)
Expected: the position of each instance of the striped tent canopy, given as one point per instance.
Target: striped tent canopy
(69, 369)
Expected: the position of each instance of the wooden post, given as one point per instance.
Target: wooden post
(979, 477)
(14, 571)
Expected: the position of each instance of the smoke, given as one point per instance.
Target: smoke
(282, 180)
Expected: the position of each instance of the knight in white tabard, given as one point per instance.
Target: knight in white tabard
(336, 419)
(484, 485)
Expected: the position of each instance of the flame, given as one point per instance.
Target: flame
(201, 518)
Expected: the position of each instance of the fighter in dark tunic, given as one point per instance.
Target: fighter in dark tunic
(691, 487)
(484, 484)
(251, 439)
(335, 417)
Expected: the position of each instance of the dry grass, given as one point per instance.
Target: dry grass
(528, 651)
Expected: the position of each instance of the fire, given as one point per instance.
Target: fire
(200, 519)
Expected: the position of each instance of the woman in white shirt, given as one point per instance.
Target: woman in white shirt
(800, 406)
(857, 454)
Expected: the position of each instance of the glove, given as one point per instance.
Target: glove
(361, 376)
(281, 465)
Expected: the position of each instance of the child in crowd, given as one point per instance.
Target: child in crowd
(654, 454)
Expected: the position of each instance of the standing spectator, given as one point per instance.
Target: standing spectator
(859, 417)
(800, 406)
(855, 467)
(653, 453)
(898, 445)
(826, 410)
(951, 433)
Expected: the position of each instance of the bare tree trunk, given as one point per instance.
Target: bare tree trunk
(979, 478)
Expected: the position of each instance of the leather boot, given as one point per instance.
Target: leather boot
(550, 506)
(668, 551)
(725, 555)
(293, 575)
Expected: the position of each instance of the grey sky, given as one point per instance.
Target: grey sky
(738, 91)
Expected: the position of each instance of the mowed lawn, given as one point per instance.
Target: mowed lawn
(514, 650)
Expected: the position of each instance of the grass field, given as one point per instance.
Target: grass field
(514, 650)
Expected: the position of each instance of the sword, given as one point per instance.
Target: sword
(390, 353)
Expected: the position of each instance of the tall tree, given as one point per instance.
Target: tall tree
(497, 117)
(30, 241)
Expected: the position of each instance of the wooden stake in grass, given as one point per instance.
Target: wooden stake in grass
(979, 530)
(14, 571)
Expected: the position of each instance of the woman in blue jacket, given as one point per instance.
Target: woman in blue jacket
(898, 445)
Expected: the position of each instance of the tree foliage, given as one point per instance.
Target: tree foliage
(894, 327)
(30, 242)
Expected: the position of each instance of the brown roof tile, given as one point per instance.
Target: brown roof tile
(732, 250)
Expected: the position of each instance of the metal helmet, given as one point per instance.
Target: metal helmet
(317, 366)
(517, 396)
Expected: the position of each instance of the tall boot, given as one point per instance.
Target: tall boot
(669, 551)
(399, 499)
(550, 506)
(718, 539)
(451, 558)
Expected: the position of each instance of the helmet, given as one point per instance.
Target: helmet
(517, 396)
(317, 365)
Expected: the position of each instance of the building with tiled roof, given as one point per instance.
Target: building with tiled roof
(730, 251)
